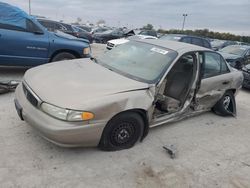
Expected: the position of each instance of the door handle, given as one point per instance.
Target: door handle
(225, 82)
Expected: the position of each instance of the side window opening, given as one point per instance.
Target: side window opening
(177, 84)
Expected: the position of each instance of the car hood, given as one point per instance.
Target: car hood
(68, 83)
(63, 35)
(229, 56)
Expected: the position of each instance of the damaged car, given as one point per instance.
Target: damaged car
(112, 101)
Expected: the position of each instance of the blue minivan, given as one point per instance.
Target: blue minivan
(25, 42)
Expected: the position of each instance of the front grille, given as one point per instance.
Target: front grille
(29, 96)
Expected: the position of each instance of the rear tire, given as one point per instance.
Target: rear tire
(122, 132)
(225, 106)
(63, 56)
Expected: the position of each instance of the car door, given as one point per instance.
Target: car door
(215, 80)
(22, 46)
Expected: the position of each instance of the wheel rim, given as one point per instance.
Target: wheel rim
(226, 102)
(123, 134)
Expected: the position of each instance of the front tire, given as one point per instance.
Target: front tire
(226, 105)
(63, 56)
(122, 132)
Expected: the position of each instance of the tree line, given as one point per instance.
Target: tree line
(202, 33)
(208, 34)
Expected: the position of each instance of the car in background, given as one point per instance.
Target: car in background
(219, 44)
(199, 41)
(152, 33)
(246, 74)
(236, 55)
(25, 42)
(100, 29)
(66, 28)
(116, 42)
(104, 37)
(85, 27)
(113, 100)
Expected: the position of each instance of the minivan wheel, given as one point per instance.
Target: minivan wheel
(122, 132)
(226, 105)
(63, 56)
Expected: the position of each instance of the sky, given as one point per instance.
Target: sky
(217, 15)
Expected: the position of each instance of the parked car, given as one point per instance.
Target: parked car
(100, 29)
(112, 101)
(236, 55)
(111, 34)
(116, 42)
(152, 33)
(66, 28)
(246, 73)
(199, 41)
(219, 44)
(25, 42)
(84, 27)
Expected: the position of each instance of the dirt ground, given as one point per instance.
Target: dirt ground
(213, 152)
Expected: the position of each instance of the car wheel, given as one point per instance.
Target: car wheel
(226, 105)
(63, 56)
(122, 132)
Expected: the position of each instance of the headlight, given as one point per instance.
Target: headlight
(65, 114)
(86, 51)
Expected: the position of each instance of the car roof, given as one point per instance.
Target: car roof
(174, 45)
(241, 46)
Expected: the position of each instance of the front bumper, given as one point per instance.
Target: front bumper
(68, 134)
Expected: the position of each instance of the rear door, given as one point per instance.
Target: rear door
(215, 80)
(21, 47)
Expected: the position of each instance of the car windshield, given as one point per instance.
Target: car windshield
(140, 61)
(235, 50)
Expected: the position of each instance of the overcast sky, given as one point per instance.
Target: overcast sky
(218, 15)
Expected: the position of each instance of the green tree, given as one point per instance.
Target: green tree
(148, 27)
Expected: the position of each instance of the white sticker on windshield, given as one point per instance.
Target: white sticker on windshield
(158, 50)
(243, 48)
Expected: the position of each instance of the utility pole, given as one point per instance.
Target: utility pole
(184, 19)
(29, 8)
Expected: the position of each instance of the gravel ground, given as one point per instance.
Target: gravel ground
(213, 152)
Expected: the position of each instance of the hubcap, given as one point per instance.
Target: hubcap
(226, 102)
(122, 134)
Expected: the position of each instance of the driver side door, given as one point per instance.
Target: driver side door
(20, 46)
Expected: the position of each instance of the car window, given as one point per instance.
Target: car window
(214, 65)
(248, 53)
(206, 44)
(197, 41)
(186, 39)
(26, 26)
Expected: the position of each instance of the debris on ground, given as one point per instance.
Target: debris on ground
(8, 86)
(171, 150)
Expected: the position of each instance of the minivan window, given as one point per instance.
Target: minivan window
(197, 41)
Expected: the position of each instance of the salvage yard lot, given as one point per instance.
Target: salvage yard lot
(213, 151)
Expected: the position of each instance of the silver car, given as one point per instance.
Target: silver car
(112, 101)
